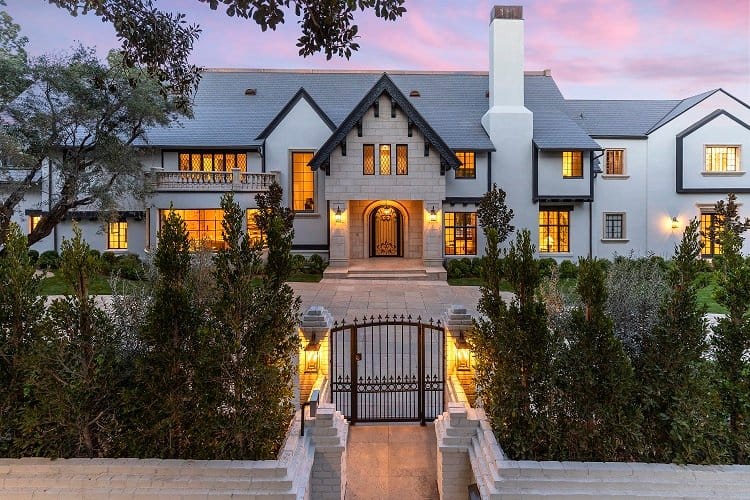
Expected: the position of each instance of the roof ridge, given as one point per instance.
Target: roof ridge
(312, 71)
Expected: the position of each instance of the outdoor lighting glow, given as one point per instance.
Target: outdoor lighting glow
(338, 214)
(311, 355)
(433, 214)
(675, 223)
(463, 354)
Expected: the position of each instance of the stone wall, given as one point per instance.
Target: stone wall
(309, 466)
(469, 454)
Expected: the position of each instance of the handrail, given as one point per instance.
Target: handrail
(312, 402)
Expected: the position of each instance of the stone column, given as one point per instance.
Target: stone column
(338, 252)
(315, 327)
(329, 435)
(432, 233)
(458, 321)
(454, 432)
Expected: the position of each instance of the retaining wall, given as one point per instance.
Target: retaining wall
(469, 454)
(289, 477)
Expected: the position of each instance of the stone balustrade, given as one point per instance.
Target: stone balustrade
(234, 180)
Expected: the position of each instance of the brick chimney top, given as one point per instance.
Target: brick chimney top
(506, 12)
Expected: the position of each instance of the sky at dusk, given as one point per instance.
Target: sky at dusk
(612, 49)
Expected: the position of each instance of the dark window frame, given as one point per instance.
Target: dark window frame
(400, 147)
(557, 231)
(468, 230)
(380, 158)
(709, 224)
(365, 147)
(606, 226)
(574, 173)
(614, 163)
(465, 171)
(313, 207)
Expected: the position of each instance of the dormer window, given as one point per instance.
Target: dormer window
(572, 164)
(722, 159)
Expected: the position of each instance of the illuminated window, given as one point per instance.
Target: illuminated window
(554, 229)
(614, 226)
(203, 226)
(402, 159)
(572, 164)
(205, 162)
(710, 227)
(615, 162)
(303, 182)
(385, 159)
(34, 222)
(368, 159)
(722, 159)
(468, 168)
(253, 231)
(460, 233)
(117, 235)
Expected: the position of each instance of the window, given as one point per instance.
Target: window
(303, 182)
(572, 164)
(203, 227)
(554, 231)
(212, 162)
(253, 231)
(368, 159)
(710, 225)
(34, 222)
(614, 226)
(402, 159)
(468, 169)
(117, 235)
(460, 233)
(385, 159)
(722, 159)
(615, 162)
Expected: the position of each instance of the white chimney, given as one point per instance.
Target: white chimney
(506, 56)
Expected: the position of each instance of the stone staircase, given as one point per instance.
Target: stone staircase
(387, 269)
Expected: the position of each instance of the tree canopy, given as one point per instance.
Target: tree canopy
(145, 31)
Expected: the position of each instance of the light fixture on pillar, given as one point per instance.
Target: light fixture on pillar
(463, 353)
(433, 214)
(312, 349)
(338, 214)
(675, 223)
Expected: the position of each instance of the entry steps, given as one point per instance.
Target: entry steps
(417, 274)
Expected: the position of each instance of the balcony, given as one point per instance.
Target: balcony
(236, 180)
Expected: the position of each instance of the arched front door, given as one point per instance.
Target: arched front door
(385, 232)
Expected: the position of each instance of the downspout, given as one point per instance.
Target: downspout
(595, 170)
(489, 171)
(49, 203)
(262, 152)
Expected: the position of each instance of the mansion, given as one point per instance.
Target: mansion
(393, 164)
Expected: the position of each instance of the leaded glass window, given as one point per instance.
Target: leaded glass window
(554, 231)
(402, 159)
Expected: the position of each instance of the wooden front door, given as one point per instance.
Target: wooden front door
(385, 236)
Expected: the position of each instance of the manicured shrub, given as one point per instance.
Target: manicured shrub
(546, 266)
(298, 263)
(129, 266)
(33, 256)
(49, 259)
(316, 264)
(476, 267)
(568, 270)
(455, 269)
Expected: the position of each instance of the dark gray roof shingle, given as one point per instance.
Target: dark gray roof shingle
(617, 118)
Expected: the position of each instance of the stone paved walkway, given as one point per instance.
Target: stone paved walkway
(350, 298)
(391, 462)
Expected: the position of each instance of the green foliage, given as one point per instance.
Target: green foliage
(547, 267)
(129, 266)
(512, 345)
(298, 263)
(494, 213)
(164, 406)
(568, 270)
(49, 259)
(731, 338)
(598, 420)
(682, 418)
(464, 268)
(316, 264)
(13, 59)
(74, 370)
(33, 256)
(21, 311)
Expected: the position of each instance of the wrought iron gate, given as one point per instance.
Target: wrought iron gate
(388, 369)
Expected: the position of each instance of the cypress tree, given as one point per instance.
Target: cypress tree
(597, 414)
(21, 311)
(681, 421)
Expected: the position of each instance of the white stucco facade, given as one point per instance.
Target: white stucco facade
(517, 128)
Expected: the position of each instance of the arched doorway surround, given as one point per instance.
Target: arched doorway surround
(387, 229)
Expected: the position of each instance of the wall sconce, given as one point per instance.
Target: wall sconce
(337, 214)
(433, 214)
(312, 349)
(463, 354)
(675, 223)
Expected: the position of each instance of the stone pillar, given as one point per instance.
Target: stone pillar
(457, 320)
(432, 233)
(454, 434)
(329, 435)
(315, 327)
(338, 251)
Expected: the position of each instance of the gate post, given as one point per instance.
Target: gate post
(458, 323)
(314, 331)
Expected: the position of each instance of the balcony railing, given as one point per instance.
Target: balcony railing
(235, 180)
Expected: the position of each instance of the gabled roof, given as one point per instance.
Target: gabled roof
(301, 94)
(553, 128)
(681, 107)
(617, 118)
(384, 85)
